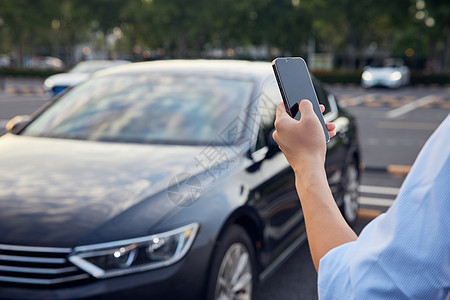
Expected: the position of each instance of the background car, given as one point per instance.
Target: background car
(44, 63)
(158, 180)
(392, 74)
(59, 82)
(5, 61)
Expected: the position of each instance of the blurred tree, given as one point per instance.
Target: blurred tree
(353, 31)
(425, 39)
(188, 28)
(284, 24)
(26, 22)
(178, 26)
(437, 20)
(136, 26)
(104, 16)
(356, 29)
(74, 21)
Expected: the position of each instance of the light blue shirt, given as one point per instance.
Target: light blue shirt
(404, 253)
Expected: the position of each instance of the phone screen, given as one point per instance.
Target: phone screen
(295, 85)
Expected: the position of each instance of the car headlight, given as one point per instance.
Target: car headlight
(48, 83)
(366, 75)
(395, 76)
(135, 255)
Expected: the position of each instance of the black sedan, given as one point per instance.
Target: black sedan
(157, 180)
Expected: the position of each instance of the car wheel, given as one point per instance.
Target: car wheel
(233, 270)
(350, 197)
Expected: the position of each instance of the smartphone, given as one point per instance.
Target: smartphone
(295, 85)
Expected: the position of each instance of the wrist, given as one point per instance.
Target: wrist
(310, 175)
(308, 164)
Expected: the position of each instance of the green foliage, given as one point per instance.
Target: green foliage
(421, 78)
(26, 73)
(355, 31)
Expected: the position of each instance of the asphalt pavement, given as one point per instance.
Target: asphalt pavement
(393, 126)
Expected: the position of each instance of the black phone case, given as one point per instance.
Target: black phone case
(295, 84)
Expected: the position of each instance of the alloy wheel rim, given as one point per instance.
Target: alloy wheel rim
(351, 193)
(234, 281)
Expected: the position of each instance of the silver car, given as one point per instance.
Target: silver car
(392, 74)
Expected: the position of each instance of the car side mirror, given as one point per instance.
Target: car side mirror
(269, 150)
(17, 123)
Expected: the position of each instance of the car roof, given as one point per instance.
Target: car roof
(200, 66)
(103, 61)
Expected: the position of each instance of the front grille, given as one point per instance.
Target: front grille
(37, 266)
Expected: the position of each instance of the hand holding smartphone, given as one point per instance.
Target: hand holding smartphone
(295, 85)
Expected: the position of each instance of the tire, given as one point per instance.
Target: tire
(350, 195)
(233, 268)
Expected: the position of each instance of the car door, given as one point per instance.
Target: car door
(277, 202)
(337, 147)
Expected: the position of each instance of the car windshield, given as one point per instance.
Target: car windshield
(145, 108)
(387, 63)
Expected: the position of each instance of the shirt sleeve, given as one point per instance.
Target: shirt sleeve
(404, 253)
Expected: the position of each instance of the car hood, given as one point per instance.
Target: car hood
(67, 192)
(68, 79)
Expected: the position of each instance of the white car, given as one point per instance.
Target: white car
(392, 74)
(44, 63)
(81, 72)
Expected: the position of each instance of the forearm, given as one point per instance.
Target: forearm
(325, 226)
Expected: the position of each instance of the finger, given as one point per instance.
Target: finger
(322, 107)
(275, 136)
(279, 116)
(276, 139)
(331, 129)
(331, 133)
(281, 110)
(282, 116)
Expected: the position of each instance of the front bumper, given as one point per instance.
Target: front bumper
(381, 82)
(185, 279)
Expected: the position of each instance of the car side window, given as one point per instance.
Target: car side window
(270, 97)
(322, 95)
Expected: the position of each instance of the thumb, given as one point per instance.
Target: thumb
(306, 108)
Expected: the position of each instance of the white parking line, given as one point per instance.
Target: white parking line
(382, 190)
(378, 190)
(395, 113)
(355, 100)
(407, 125)
(375, 201)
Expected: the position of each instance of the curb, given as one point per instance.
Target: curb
(400, 170)
(368, 214)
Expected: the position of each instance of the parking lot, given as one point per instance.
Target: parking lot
(393, 126)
